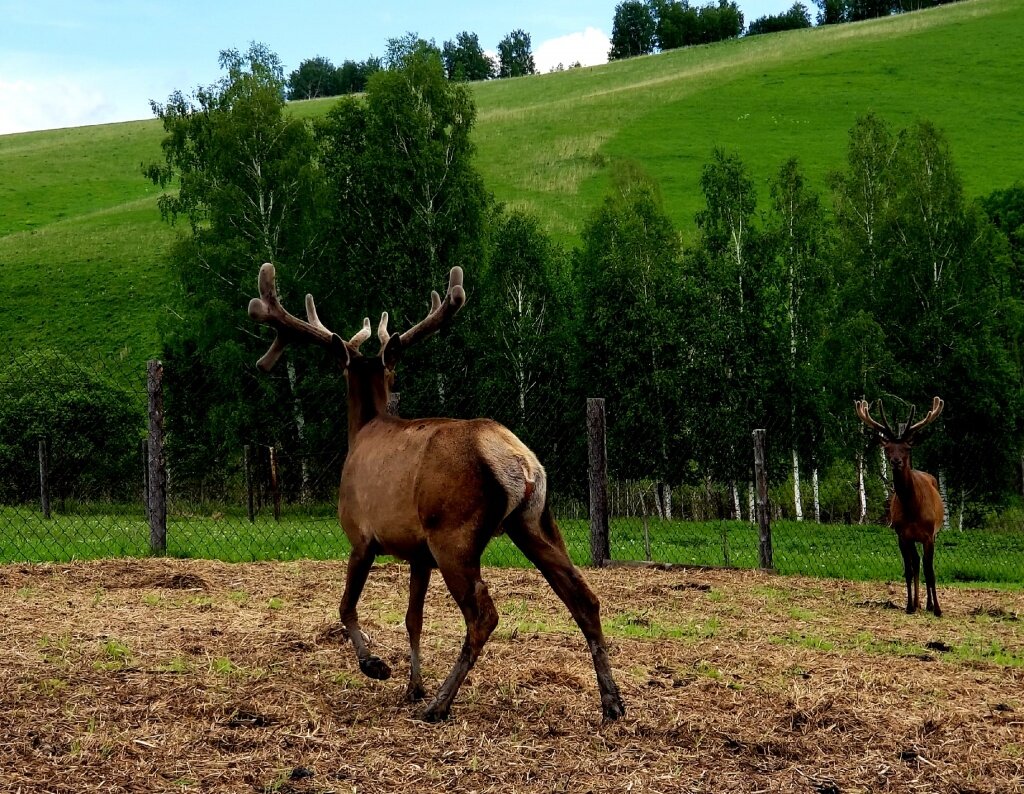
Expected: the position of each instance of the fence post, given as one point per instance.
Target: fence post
(763, 519)
(157, 465)
(248, 484)
(44, 477)
(600, 546)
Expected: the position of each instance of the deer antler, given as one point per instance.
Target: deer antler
(861, 407)
(931, 416)
(267, 309)
(441, 311)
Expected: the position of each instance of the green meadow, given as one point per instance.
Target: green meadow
(82, 246)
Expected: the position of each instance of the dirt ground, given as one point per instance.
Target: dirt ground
(168, 675)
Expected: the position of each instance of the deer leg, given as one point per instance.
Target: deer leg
(419, 579)
(359, 564)
(541, 541)
(470, 593)
(909, 552)
(929, 579)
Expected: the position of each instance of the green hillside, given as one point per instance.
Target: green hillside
(82, 244)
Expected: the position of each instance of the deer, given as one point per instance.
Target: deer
(915, 507)
(433, 492)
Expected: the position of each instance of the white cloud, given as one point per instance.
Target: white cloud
(589, 48)
(52, 102)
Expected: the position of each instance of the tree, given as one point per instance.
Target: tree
(631, 330)
(832, 12)
(401, 49)
(465, 59)
(797, 230)
(515, 56)
(795, 18)
(633, 30)
(677, 24)
(738, 327)
(247, 188)
(315, 77)
(405, 205)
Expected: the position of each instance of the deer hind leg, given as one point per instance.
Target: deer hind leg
(541, 541)
(359, 564)
(932, 603)
(909, 552)
(463, 580)
(419, 580)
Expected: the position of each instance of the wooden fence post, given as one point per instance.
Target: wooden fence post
(157, 495)
(44, 477)
(600, 545)
(248, 484)
(763, 518)
(144, 446)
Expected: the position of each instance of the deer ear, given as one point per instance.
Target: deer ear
(392, 351)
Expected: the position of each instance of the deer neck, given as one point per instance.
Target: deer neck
(367, 399)
(903, 484)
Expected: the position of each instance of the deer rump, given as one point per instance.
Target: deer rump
(419, 480)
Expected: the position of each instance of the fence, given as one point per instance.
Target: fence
(101, 460)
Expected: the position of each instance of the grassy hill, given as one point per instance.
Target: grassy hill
(82, 244)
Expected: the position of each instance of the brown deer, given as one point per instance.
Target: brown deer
(915, 508)
(434, 492)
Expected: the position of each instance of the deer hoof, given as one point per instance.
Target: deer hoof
(414, 693)
(432, 713)
(375, 667)
(613, 707)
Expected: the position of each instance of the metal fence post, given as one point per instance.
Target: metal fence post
(44, 477)
(763, 518)
(157, 493)
(600, 545)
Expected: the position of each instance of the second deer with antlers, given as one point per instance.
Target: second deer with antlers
(915, 509)
(434, 492)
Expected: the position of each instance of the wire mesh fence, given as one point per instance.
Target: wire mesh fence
(255, 478)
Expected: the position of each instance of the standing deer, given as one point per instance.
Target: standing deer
(915, 508)
(434, 492)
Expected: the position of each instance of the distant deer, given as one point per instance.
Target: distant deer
(915, 508)
(434, 492)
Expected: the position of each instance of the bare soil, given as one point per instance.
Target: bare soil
(169, 675)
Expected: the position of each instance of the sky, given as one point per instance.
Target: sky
(70, 63)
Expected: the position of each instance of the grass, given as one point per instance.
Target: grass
(82, 248)
(827, 551)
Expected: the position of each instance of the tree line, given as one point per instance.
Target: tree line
(892, 284)
(463, 57)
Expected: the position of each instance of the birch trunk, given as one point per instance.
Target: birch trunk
(883, 465)
(300, 427)
(945, 499)
(861, 493)
(817, 495)
(797, 506)
(750, 502)
(737, 511)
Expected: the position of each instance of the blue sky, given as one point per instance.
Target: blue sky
(66, 63)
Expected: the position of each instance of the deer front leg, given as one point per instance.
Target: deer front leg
(359, 564)
(910, 568)
(929, 579)
(471, 594)
(419, 580)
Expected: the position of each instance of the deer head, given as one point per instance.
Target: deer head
(370, 377)
(897, 445)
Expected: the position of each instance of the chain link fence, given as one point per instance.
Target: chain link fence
(254, 477)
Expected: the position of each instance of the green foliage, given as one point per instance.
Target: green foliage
(515, 55)
(795, 18)
(315, 77)
(91, 425)
(633, 30)
(465, 59)
(630, 327)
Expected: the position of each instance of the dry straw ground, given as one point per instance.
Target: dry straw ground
(165, 675)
